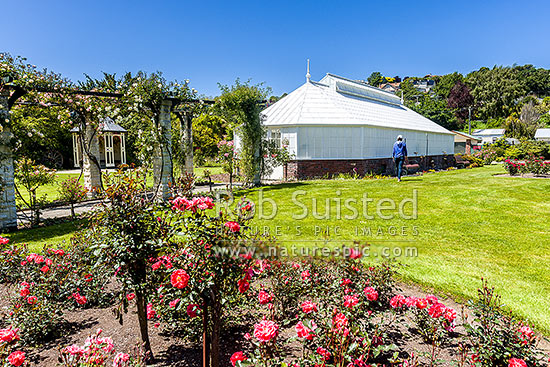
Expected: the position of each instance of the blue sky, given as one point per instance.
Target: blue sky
(210, 42)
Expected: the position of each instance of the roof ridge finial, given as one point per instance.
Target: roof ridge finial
(308, 75)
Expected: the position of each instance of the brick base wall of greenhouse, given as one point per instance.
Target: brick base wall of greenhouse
(323, 168)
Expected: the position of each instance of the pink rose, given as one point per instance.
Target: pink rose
(265, 330)
(308, 307)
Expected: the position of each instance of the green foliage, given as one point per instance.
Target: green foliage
(240, 105)
(496, 336)
(445, 83)
(208, 130)
(496, 91)
(72, 192)
(31, 176)
(375, 79)
(433, 108)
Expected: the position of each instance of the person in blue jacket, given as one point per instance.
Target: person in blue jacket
(399, 155)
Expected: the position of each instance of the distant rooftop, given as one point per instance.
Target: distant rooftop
(488, 132)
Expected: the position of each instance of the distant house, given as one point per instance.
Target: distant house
(424, 85)
(543, 135)
(390, 87)
(464, 142)
(488, 136)
(340, 125)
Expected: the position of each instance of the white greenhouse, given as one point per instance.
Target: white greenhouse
(341, 125)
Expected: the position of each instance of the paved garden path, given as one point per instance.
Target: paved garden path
(65, 210)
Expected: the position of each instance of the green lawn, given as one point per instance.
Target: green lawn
(470, 225)
(51, 191)
(52, 236)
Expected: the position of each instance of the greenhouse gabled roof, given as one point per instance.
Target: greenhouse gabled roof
(339, 101)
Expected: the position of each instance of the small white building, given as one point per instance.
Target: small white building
(464, 142)
(112, 144)
(341, 125)
(488, 136)
(543, 135)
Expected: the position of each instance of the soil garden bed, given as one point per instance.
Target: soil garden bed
(173, 350)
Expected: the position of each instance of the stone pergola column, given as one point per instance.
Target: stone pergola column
(162, 165)
(8, 210)
(92, 173)
(187, 141)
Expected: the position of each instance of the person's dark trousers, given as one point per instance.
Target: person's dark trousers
(399, 164)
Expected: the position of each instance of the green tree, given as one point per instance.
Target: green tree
(240, 106)
(445, 83)
(375, 79)
(496, 91)
(208, 131)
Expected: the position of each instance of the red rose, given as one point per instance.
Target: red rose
(44, 269)
(8, 335)
(397, 301)
(355, 254)
(308, 306)
(437, 310)
(350, 301)
(192, 310)
(304, 332)
(516, 362)
(345, 282)
(150, 311)
(243, 285)
(233, 226)
(265, 330)
(340, 322)
(450, 314)
(32, 300)
(179, 279)
(324, 353)
(431, 299)
(371, 293)
(238, 356)
(81, 300)
(421, 303)
(130, 296)
(4, 241)
(17, 358)
(24, 292)
(264, 297)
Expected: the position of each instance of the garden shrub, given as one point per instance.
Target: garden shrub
(532, 164)
(475, 161)
(496, 337)
(100, 351)
(124, 234)
(72, 192)
(46, 283)
(9, 342)
(31, 176)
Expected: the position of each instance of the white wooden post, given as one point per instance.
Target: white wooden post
(109, 152)
(76, 150)
(122, 149)
(162, 162)
(8, 210)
